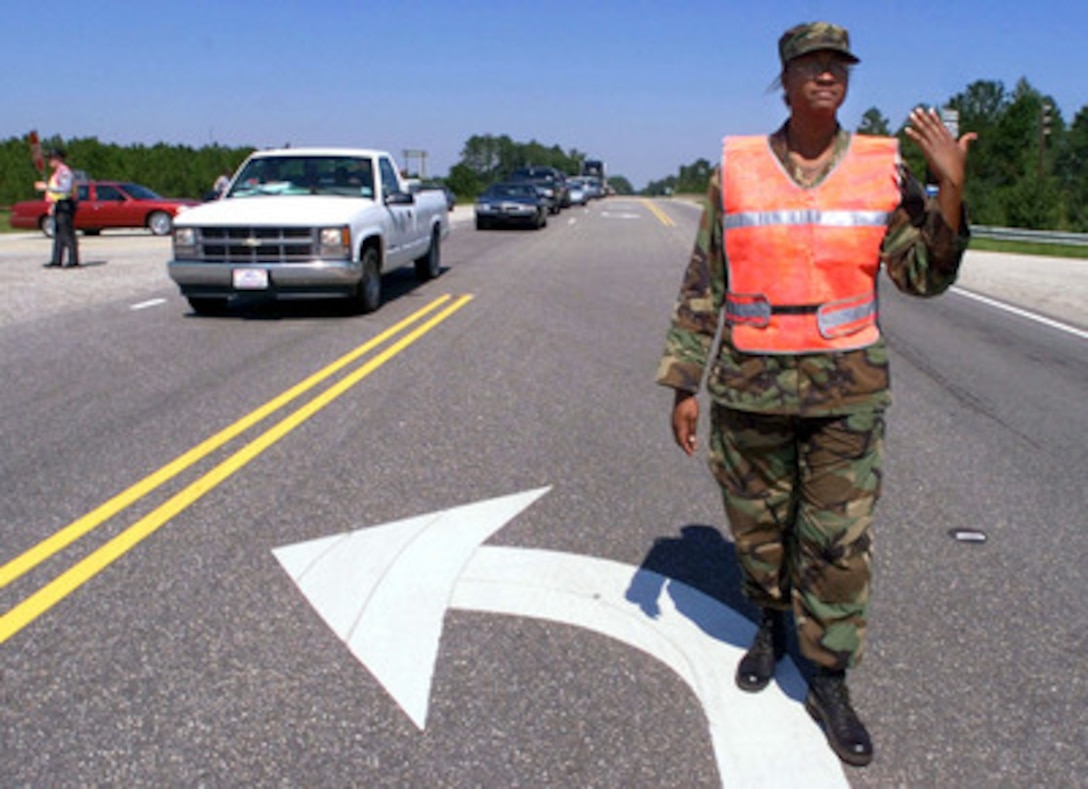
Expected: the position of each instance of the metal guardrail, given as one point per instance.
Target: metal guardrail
(1036, 236)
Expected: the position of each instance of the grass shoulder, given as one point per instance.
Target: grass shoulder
(5, 222)
(1029, 248)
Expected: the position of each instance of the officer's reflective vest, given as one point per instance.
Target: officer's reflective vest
(803, 262)
(55, 190)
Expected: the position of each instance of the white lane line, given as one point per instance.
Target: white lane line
(143, 305)
(1023, 313)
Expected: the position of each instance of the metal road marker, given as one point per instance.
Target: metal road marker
(384, 591)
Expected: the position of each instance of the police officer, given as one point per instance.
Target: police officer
(60, 193)
(794, 232)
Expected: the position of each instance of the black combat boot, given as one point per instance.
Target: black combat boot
(828, 702)
(757, 666)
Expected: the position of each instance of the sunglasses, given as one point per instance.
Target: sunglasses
(810, 69)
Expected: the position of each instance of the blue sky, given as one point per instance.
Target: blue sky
(647, 86)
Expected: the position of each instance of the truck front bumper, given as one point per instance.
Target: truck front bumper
(295, 280)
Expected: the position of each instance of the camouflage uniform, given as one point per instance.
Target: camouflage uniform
(797, 440)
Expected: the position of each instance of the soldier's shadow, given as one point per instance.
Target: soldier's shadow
(705, 565)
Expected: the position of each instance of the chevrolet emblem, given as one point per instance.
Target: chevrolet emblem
(252, 242)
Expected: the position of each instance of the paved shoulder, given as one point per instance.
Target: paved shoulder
(1055, 287)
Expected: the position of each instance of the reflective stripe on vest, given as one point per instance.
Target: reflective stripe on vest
(803, 262)
(809, 217)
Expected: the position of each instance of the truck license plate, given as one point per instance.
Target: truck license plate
(250, 279)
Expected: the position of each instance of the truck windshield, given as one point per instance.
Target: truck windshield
(344, 176)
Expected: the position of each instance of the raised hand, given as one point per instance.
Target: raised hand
(946, 157)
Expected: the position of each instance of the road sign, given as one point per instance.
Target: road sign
(951, 119)
(36, 151)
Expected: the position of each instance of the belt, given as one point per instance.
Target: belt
(794, 309)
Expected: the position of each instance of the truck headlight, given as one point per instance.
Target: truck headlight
(335, 242)
(184, 241)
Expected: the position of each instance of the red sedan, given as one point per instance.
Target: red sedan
(105, 204)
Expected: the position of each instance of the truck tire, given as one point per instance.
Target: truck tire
(428, 266)
(368, 296)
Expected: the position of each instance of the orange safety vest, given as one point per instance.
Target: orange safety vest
(803, 262)
(54, 191)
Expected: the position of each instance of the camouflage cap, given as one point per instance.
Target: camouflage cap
(814, 37)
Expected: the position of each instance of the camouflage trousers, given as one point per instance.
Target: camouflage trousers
(799, 494)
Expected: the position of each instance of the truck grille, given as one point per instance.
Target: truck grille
(242, 245)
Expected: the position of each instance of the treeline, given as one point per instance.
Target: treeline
(183, 171)
(170, 170)
(487, 159)
(1028, 168)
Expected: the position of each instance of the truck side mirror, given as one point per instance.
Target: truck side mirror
(400, 198)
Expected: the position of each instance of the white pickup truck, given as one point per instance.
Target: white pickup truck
(307, 223)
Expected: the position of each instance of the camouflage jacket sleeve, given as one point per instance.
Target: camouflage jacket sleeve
(698, 307)
(921, 253)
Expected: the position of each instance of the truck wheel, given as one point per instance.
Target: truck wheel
(159, 223)
(208, 306)
(368, 296)
(428, 266)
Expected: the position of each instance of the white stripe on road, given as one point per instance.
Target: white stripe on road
(143, 305)
(1024, 313)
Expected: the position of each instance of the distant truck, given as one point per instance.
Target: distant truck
(306, 223)
(594, 168)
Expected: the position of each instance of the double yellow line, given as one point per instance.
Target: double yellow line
(33, 606)
(664, 218)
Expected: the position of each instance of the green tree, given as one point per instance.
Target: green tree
(874, 122)
(464, 181)
(693, 178)
(689, 179)
(171, 170)
(664, 186)
(1071, 164)
(620, 185)
(486, 159)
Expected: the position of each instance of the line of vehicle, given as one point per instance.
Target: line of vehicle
(24, 563)
(25, 612)
(661, 215)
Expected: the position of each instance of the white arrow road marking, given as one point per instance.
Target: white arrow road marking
(759, 739)
(384, 591)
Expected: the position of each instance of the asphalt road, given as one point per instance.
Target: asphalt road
(172, 647)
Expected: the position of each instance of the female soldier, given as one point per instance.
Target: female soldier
(789, 246)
